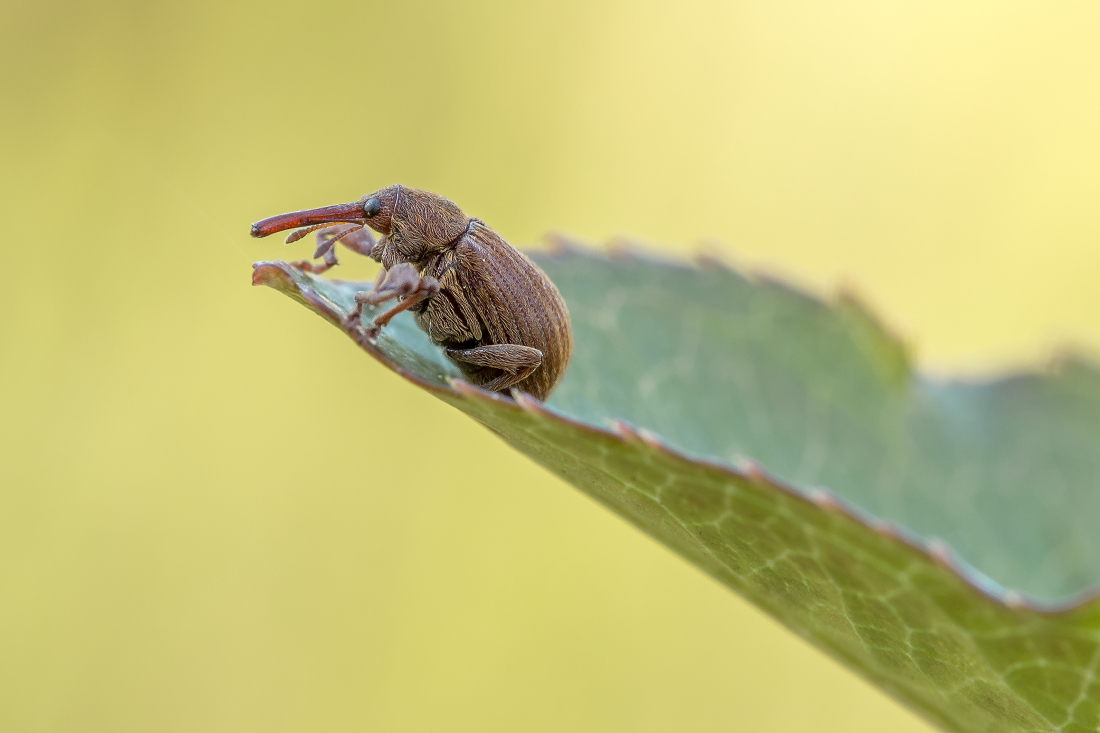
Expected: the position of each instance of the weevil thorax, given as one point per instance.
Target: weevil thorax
(417, 223)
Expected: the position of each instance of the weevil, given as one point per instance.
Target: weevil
(494, 313)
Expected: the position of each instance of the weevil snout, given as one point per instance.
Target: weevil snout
(341, 213)
(373, 210)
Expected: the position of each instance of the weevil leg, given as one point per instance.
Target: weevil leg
(359, 240)
(405, 303)
(401, 281)
(356, 314)
(355, 237)
(517, 362)
(328, 262)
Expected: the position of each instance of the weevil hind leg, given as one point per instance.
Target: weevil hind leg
(515, 361)
(401, 281)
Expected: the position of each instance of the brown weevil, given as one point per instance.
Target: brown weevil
(492, 310)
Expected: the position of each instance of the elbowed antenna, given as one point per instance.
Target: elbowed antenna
(351, 213)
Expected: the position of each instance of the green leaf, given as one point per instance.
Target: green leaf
(786, 446)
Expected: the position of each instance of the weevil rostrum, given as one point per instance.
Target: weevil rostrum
(495, 314)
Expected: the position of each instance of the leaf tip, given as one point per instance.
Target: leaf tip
(265, 271)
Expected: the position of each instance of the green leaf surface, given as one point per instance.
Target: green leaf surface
(787, 447)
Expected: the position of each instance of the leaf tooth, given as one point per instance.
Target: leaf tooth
(622, 249)
(751, 469)
(558, 245)
(885, 528)
(942, 554)
(623, 430)
(826, 500)
(710, 255)
(653, 440)
(465, 388)
(528, 403)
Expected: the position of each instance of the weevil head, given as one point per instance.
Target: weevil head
(419, 223)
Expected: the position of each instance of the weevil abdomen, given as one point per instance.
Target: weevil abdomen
(491, 294)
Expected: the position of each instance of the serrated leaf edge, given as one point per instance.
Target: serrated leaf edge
(276, 274)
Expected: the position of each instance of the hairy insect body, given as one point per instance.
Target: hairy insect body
(494, 312)
(490, 294)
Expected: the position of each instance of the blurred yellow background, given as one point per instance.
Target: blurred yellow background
(217, 515)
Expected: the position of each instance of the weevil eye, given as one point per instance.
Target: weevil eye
(372, 207)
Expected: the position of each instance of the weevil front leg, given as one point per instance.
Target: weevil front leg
(329, 261)
(517, 362)
(401, 281)
(356, 238)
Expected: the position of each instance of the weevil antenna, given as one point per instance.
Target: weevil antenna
(298, 234)
(325, 242)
